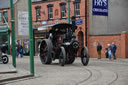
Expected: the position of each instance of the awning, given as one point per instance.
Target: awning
(4, 29)
(46, 27)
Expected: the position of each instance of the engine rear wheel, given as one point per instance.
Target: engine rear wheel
(84, 56)
(62, 56)
(45, 52)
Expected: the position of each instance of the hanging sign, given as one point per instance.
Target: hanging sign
(100, 7)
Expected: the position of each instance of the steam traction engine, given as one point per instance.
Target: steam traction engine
(61, 44)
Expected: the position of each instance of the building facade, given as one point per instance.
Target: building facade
(108, 23)
(5, 25)
(50, 12)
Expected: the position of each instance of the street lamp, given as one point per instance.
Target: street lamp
(13, 35)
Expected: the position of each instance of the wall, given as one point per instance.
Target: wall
(114, 23)
(104, 40)
(120, 40)
(127, 45)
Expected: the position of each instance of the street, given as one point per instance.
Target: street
(98, 72)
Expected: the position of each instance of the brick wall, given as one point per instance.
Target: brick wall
(104, 40)
(127, 45)
(9, 16)
(120, 40)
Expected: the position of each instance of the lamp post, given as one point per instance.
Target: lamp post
(86, 22)
(31, 38)
(13, 35)
(69, 11)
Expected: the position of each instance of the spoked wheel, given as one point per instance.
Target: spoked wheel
(62, 56)
(70, 58)
(45, 52)
(5, 59)
(84, 56)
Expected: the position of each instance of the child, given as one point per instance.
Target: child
(109, 53)
(106, 52)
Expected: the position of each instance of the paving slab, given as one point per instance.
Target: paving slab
(8, 73)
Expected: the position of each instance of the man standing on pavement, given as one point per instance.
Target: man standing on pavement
(99, 48)
(114, 50)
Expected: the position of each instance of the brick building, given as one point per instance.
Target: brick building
(108, 22)
(5, 24)
(50, 12)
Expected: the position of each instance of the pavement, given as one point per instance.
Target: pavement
(9, 73)
(98, 72)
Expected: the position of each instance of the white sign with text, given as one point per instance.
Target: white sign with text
(23, 25)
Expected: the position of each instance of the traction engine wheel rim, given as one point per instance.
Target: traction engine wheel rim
(5, 59)
(62, 56)
(84, 56)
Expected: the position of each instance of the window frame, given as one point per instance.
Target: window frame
(50, 13)
(77, 9)
(63, 11)
(6, 17)
(0, 16)
(38, 13)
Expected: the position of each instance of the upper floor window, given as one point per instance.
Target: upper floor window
(77, 9)
(5, 17)
(50, 11)
(63, 10)
(0, 17)
(38, 15)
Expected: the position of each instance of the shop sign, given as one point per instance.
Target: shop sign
(56, 21)
(23, 28)
(100, 7)
(44, 22)
(79, 22)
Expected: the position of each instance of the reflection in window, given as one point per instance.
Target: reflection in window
(77, 9)
(5, 17)
(0, 17)
(50, 12)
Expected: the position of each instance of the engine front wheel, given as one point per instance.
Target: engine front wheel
(62, 56)
(84, 56)
(5, 59)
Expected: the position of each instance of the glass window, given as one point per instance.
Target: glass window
(50, 12)
(63, 11)
(0, 17)
(5, 17)
(77, 9)
(38, 15)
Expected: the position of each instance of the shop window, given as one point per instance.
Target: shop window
(77, 9)
(5, 17)
(38, 14)
(63, 10)
(0, 17)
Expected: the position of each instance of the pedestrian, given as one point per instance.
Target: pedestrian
(109, 51)
(17, 48)
(106, 52)
(114, 47)
(21, 51)
(99, 48)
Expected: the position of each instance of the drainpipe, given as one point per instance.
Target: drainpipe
(86, 23)
(69, 11)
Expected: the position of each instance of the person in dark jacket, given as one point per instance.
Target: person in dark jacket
(106, 52)
(99, 48)
(114, 47)
(109, 51)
